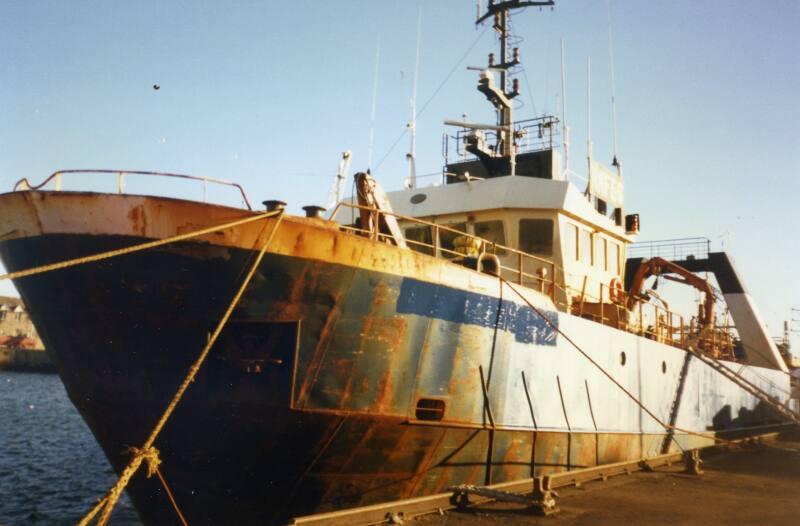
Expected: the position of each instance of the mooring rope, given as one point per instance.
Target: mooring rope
(610, 377)
(135, 248)
(147, 451)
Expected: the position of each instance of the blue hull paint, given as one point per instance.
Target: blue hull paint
(465, 307)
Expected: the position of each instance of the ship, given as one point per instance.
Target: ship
(493, 327)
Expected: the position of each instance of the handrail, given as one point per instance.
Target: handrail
(486, 242)
(26, 185)
(665, 326)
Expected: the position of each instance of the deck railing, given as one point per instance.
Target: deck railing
(672, 249)
(538, 280)
(55, 177)
(595, 300)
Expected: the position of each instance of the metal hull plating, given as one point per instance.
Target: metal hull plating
(309, 400)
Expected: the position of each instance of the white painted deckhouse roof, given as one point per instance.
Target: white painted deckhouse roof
(510, 192)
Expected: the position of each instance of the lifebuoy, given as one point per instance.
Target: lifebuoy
(615, 290)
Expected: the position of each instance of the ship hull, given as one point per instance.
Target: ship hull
(350, 373)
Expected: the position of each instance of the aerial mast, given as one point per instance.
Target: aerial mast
(500, 96)
(411, 182)
(564, 127)
(615, 162)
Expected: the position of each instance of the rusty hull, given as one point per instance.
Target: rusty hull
(308, 401)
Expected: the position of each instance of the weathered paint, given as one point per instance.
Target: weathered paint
(465, 307)
(308, 400)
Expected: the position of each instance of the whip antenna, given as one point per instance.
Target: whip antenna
(374, 103)
(615, 162)
(411, 182)
(564, 127)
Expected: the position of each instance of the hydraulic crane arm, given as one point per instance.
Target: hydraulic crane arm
(657, 266)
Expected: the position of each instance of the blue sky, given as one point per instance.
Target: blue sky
(269, 94)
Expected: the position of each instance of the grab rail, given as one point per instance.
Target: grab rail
(485, 244)
(24, 184)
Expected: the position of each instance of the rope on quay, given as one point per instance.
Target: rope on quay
(149, 453)
(610, 377)
(135, 248)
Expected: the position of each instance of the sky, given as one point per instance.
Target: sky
(270, 93)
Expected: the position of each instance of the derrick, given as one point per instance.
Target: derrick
(659, 266)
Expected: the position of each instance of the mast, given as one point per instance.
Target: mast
(615, 162)
(500, 96)
(589, 125)
(564, 127)
(500, 158)
(411, 182)
(374, 103)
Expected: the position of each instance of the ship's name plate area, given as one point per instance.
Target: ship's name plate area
(471, 308)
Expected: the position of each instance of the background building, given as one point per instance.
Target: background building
(16, 327)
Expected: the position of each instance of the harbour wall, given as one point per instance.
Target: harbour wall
(17, 359)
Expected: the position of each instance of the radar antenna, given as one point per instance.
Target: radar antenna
(504, 152)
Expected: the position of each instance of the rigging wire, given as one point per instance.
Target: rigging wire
(435, 92)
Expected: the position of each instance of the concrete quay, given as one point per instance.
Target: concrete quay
(756, 485)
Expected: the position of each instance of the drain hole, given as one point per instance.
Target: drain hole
(430, 409)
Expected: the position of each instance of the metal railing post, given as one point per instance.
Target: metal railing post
(669, 320)
(641, 318)
(602, 305)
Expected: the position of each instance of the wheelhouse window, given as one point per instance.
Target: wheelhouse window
(585, 249)
(492, 231)
(536, 236)
(601, 252)
(447, 239)
(614, 258)
(571, 242)
(419, 238)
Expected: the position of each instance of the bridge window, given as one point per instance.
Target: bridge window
(585, 246)
(447, 238)
(419, 238)
(491, 231)
(601, 252)
(613, 266)
(536, 236)
(571, 242)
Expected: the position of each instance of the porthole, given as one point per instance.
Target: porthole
(664, 367)
(418, 198)
(622, 358)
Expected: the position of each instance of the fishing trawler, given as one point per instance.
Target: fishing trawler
(491, 328)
